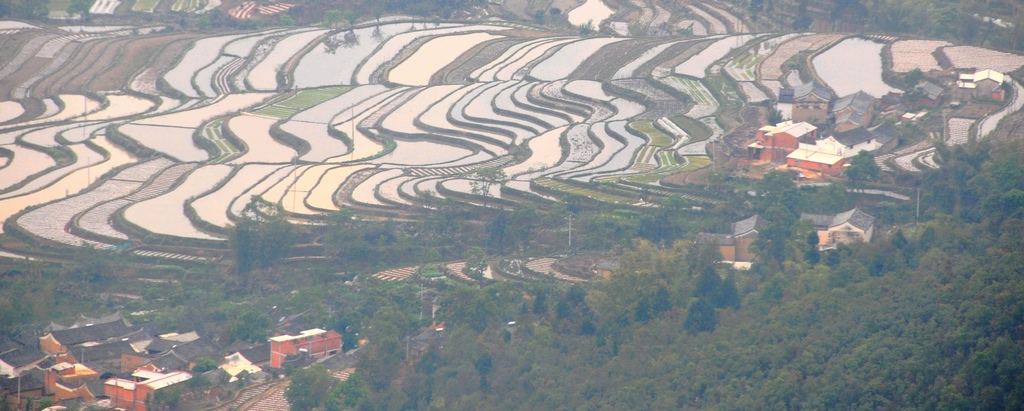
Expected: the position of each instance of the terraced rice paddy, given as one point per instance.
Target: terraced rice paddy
(170, 207)
(907, 55)
(321, 197)
(561, 64)
(546, 152)
(434, 55)
(213, 207)
(264, 76)
(697, 65)
(962, 57)
(958, 130)
(69, 184)
(592, 11)
(580, 191)
(387, 119)
(853, 65)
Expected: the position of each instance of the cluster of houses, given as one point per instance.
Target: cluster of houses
(803, 144)
(843, 228)
(108, 363)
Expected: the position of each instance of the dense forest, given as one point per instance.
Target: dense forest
(997, 23)
(929, 316)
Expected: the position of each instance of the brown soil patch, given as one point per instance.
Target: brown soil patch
(674, 56)
(128, 60)
(28, 70)
(459, 69)
(736, 141)
(72, 77)
(12, 43)
(603, 64)
(975, 109)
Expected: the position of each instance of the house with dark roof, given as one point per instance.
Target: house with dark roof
(735, 246)
(810, 103)
(843, 228)
(165, 356)
(19, 360)
(58, 341)
(29, 385)
(852, 111)
(929, 94)
(886, 137)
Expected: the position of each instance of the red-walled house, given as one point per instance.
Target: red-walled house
(774, 143)
(315, 343)
(825, 157)
(132, 394)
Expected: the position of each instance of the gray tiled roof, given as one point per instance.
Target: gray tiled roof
(810, 88)
(169, 362)
(856, 218)
(258, 354)
(22, 356)
(747, 225)
(97, 332)
(930, 89)
(854, 136)
(885, 133)
(102, 352)
(8, 344)
(851, 117)
(859, 102)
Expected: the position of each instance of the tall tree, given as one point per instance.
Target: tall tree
(309, 388)
(862, 169)
(262, 237)
(701, 317)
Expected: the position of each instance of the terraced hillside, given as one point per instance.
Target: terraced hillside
(386, 119)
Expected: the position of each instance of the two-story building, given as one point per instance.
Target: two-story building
(735, 246)
(981, 84)
(824, 156)
(774, 143)
(132, 394)
(811, 103)
(852, 111)
(314, 343)
(846, 227)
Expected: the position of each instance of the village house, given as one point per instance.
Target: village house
(859, 139)
(980, 84)
(314, 343)
(843, 228)
(824, 156)
(735, 246)
(810, 103)
(852, 111)
(165, 356)
(65, 381)
(929, 94)
(59, 341)
(132, 394)
(774, 143)
(30, 384)
(16, 361)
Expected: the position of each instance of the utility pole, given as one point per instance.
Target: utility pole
(917, 214)
(570, 233)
